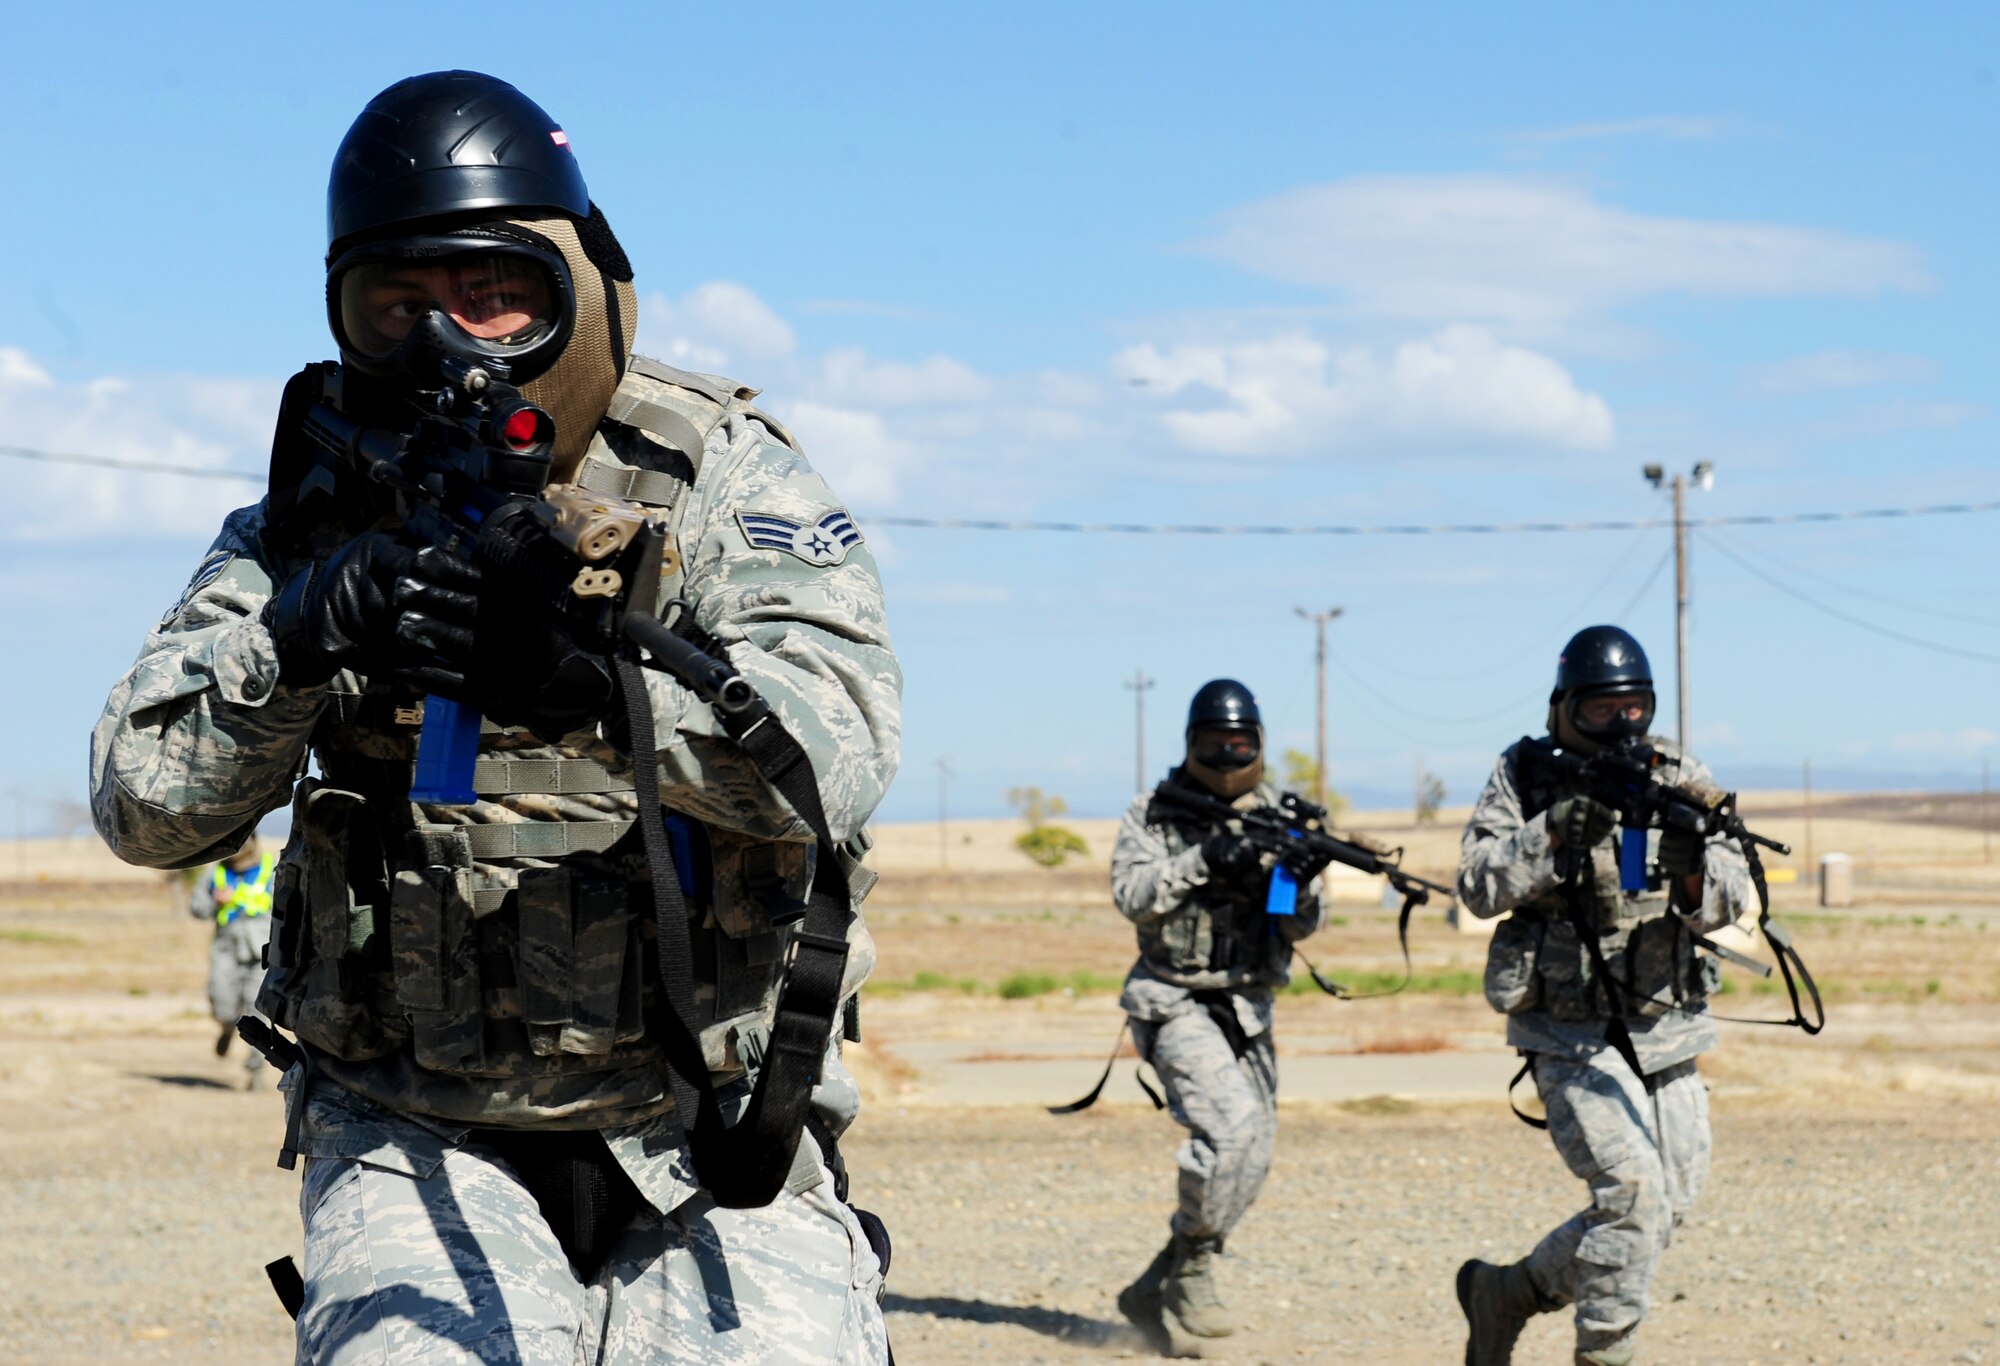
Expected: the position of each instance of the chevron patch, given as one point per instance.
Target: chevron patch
(825, 542)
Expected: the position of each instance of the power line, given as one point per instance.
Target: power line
(1759, 552)
(1716, 544)
(110, 462)
(1174, 529)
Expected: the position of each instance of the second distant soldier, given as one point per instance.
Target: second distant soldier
(236, 895)
(1199, 997)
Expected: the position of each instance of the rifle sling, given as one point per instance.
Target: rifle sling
(1089, 1099)
(744, 1165)
(1413, 897)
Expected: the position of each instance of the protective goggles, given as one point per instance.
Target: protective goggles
(395, 306)
(1224, 750)
(1611, 715)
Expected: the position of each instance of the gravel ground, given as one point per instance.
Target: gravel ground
(138, 1204)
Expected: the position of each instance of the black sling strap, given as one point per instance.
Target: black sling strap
(1411, 900)
(1089, 1099)
(745, 1165)
(1527, 1070)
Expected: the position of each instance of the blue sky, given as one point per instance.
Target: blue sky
(1185, 263)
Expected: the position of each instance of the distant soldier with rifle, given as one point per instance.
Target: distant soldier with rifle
(1200, 891)
(564, 934)
(1615, 857)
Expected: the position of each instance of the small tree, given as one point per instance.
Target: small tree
(1045, 844)
(1430, 796)
(1302, 777)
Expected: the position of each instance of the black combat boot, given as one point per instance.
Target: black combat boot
(1498, 1302)
(1141, 1302)
(1190, 1293)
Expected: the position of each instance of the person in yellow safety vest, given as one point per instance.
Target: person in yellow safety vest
(236, 893)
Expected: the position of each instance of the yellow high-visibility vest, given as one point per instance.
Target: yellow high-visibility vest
(249, 892)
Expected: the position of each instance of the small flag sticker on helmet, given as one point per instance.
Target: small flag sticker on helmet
(561, 139)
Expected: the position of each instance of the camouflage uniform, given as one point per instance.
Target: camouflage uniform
(235, 964)
(1642, 1144)
(456, 968)
(1199, 999)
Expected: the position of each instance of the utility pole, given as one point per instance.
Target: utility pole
(1139, 683)
(1810, 870)
(1985, 826)
(944, 777)
(1704, 477)
(1319, 621)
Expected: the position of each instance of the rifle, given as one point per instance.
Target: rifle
(1627, 778)
(1295, 830)
(468, 474)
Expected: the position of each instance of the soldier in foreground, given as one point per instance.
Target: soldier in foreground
(1614, 1060)
(497, 1166)
(236, 896)
(1199, 997)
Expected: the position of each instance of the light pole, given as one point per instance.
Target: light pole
(1319, 621)
(1139, 683)
(1703, 475)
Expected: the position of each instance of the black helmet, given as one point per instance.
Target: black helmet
(458, 225)
(450, 142)
(1599, 660)
(1224, 702)
(1232, 762)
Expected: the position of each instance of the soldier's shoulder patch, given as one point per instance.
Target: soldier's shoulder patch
(823, 542)
(206, 573)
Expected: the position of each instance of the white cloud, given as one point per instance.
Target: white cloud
(175, 420)
(1839, 369)
(1666, 128)
(1293, 394)
(1532, 253)
(1943, 744)
(862, 456)
(850, 375)
(713, 326)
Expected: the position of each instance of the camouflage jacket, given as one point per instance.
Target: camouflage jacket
(1539, 974)
(491, 963)
(1198, 933)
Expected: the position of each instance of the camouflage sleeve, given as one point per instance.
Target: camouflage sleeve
(201, 896)
(1147, 881)
(805, 625)
(200, 738)
(1503, 858)
(1726, 890)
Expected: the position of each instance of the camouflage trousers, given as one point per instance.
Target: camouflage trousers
(1229, 1106)
(1645, 1157)
(461, 1267)
(232, 986)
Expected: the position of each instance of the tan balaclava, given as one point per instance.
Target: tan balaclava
(576, 391)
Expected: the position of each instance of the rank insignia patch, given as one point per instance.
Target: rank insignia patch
(825, 542)
(209, 571)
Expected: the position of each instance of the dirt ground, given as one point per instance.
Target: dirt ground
(1851, 1215)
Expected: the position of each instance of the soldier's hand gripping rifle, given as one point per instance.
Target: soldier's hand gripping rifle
(1294, 832)
(469, 473)
(1627, 778)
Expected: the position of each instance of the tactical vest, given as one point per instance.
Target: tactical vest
(1220, 928)
(514, 938)
(1537, 962)
(245, 895)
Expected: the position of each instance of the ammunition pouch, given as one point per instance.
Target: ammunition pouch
(1537, 963)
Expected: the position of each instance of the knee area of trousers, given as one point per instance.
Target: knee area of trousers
(1634, 1216)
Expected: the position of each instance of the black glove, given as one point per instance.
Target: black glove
(1681, 852)
(378, 607)
(1230, 854)
(1581, 823)
(533, 676)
